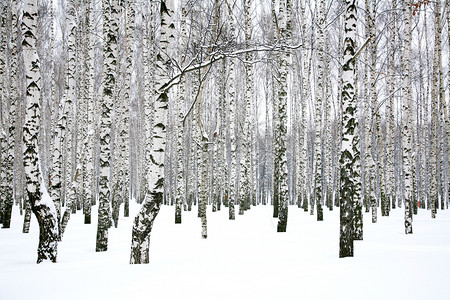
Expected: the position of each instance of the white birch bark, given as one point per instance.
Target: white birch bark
(267, 142)
(11, 96)
(421, 130)
(435, 124)
(373, 117)
(443, 137)
(349, 150)
(71, 99)
(284, 23)
(57, 158)
(318, 118)
(426, 112)
(231, 93)
(4, 11)
(82, 111)
(220, 152)
(130, 95)
(407, 129)
(149, 46)
(245, 155)
(180, 196)
(447, 113)
(144, 220)
(110, 54)
(275, 123)
(306, 93)
(75, 185)
(88, 183)
(390, 119)
(326, 135)
(41, 204)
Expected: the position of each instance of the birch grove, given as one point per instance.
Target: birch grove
(218, 105)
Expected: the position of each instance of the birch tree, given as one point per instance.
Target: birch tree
(318, 117)
(231, 93)
(3, 68)
(149, 56)
(434, 142)
(143, 222)
(406, 119)
(390, 117)
(349, 150)
(245, 168)
(180, 192)
(110, 28)
(284, 23)
(305, 99)
(89, 52)
(11, 96)
(41, 204)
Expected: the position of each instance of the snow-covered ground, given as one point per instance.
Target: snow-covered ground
(241, 259)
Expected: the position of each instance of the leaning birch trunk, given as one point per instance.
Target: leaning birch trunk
(41, 204)
(143, 223)
(349, 149)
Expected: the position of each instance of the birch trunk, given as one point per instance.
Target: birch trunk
(230, 191)
(4, 11)
(110, 54)
(149, 90)
(88, 183)
(318, 118)
(305, 99)
(284, 23)
(390, 119)
(180, 192)
(407, 130)
(220, 152)
(349, 151)
(129, 97)
(41, 204)
(143, 223)
(443, 137)
(11, 93)
(434, 144)
(245, 156)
